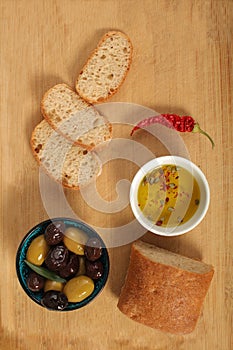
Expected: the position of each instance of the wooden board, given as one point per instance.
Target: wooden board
(182, 63)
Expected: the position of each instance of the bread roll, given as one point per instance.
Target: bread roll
(164, 290)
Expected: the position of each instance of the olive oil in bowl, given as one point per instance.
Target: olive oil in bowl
(168, 195)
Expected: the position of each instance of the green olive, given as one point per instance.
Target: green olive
(74, 240)
(82, 266)
(53, 285)
(37, 251)
(78, 288)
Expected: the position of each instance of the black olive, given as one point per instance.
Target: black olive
(54, 232)
(55, 300)
(35, 282)
(71, 267)
(93, 249)
(57, 257)
(94, 270)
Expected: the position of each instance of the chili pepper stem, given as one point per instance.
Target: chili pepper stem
(199, 130)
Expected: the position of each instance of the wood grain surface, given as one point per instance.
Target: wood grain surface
(182, 63)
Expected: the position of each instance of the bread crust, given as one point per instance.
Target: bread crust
(56, 128)
(112, 92)
(161, 296)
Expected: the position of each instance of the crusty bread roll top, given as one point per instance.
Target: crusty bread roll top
(164, 290)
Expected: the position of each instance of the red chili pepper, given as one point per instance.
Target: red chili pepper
(173, 121)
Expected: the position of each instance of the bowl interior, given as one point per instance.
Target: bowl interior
(23, 270)
(202, 207)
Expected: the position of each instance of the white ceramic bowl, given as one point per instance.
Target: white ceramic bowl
(202, 207)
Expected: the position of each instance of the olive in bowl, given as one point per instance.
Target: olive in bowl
(62, 264)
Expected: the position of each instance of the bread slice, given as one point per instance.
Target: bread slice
(106, 68)
(68, 164)
(74, 118)
(164, 290)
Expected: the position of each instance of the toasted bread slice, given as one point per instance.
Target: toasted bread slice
(74, 118)
(66, 163)
(106, 68)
